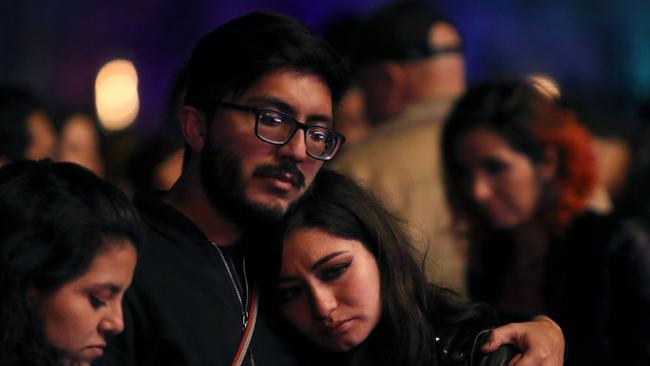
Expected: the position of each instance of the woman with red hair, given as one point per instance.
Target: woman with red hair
(519, 171)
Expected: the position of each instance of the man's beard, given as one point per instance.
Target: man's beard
(223, 182)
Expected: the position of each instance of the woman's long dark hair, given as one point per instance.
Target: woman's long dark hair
(54, 219)
(411, 308)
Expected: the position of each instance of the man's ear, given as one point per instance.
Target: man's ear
(193, 127)
(396, 84)
(548, 166)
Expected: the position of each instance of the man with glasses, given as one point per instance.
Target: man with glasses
(411, 70)
(257, 123)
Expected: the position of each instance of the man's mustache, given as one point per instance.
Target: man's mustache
(281, 170)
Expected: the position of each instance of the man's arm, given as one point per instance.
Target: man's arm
(540, 340)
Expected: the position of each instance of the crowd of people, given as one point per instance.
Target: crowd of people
(462, 226)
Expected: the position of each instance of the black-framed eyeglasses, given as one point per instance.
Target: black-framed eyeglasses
(278, 128)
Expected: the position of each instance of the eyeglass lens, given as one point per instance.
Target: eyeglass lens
(278, 129)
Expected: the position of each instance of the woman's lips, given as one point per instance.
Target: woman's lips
(339, 327)
(95, 351)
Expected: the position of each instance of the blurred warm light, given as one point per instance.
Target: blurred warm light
(546, 85)
(116, 95)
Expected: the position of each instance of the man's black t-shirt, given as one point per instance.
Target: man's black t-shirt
(181, 308)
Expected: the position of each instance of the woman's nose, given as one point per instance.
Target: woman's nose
(112, 322)
(481, 188)
(323, 302)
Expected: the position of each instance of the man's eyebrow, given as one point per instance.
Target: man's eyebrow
(275, 103)
(326, 259)
(284, 107)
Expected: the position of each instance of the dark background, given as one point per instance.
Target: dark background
(56, 47)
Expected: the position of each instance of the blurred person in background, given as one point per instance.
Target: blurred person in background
(80, 142)
(409, 58)
(630, 154)
(341, 33)
(519, 171)
(350, 117)
(156, 165)
(614, 143)
(26, 131)
(68, 248)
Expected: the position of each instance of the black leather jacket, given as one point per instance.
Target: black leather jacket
(596, 287)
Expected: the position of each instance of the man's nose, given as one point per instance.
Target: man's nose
(295, 149)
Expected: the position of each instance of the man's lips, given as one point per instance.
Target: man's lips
(285, 172)
(284, 177)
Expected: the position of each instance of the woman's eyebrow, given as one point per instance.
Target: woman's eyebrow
(325, 259)
(315, 266)
(113, 288)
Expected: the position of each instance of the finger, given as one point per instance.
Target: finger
(491, 343)
(515, 359)
(499, 336)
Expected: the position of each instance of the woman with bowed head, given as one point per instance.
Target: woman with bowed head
(350, 283)
(519, 173)
(68, 248)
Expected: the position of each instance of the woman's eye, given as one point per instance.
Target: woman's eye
(335, 272)
(288, 294)
(493, 166)
(462, 172)
(95, 301)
